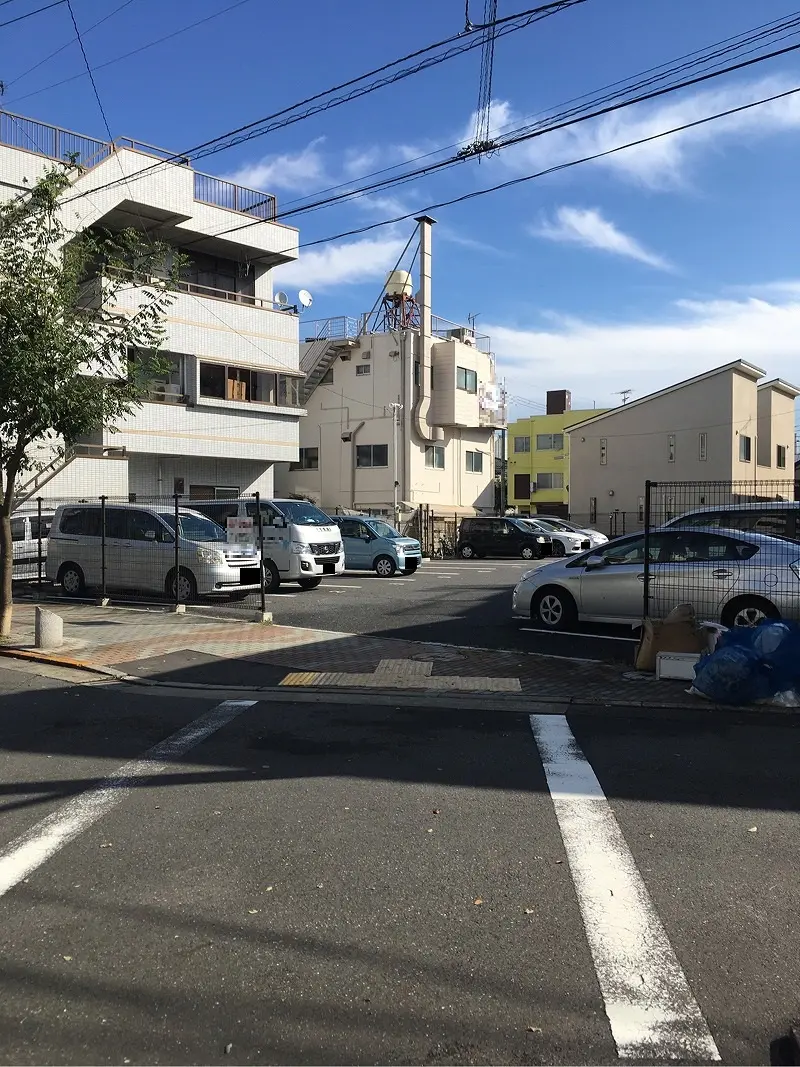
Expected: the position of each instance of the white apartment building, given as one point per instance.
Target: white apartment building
(729, 424)
(417, 406)
(230, 408)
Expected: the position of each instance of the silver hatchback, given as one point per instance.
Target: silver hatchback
(735, 576)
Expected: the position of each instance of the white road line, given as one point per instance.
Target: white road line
(650, 1007)
(569, 633)
(33, 848)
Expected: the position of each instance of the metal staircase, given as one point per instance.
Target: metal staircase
(319, 358)
(33, 487)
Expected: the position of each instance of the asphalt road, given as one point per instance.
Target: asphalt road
(330, 884)
(460, 602)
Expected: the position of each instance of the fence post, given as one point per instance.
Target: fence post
(176, 498)
(648, 485)
(39, 552)
(262, 590)
(102, 548)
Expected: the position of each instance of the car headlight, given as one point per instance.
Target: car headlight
(210, 555)
(299, 547)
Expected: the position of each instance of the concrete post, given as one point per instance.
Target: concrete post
(49, 629)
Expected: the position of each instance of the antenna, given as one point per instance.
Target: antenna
(305, 298)
(624, 393)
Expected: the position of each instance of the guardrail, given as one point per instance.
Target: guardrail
(339, 327)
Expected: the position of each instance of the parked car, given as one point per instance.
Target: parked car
(371, 544)
(484, 536)
(25, 537)
(780, 518)
(737, 577)
(301, 543)
(140, 553)
(568, 526)
(565, 543)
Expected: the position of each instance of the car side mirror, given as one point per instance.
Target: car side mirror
(594, 563)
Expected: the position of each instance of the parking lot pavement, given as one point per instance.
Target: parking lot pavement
(323, 884)
(460, 602)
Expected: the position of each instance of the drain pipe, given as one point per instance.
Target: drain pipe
(423, 405)
(353, 434)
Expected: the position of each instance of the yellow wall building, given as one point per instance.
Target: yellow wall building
(538, 458)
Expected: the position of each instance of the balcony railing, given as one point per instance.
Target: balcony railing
(337, 328)
(57, 143)
(454, 331)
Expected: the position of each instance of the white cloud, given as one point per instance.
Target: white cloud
(594, 358)
(587, 227)
(662, 163)
(300, 171)
(342, 264)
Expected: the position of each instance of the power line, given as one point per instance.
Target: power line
(52, 55)
(89, 71)
(252, 130)
(556, 168)
(28, 14)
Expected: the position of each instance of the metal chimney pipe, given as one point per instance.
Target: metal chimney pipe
(423, 405)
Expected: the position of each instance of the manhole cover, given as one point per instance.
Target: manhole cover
(442, 654)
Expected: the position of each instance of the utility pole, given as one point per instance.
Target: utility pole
(396, 409)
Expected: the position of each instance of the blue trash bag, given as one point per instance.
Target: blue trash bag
(734, 674)
(777, 645)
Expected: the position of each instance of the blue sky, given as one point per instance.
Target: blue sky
(633, 273)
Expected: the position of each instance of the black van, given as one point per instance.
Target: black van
(780, 518)
(500, 537)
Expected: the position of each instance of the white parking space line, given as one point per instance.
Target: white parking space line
(33, 848)
(651, 1009)
(570, 633)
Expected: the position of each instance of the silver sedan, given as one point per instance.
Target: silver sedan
(736, 576)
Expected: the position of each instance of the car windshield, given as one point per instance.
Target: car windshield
(525, 526)
(383, 529)
(554, 524)
(194, 527)
(302, 513)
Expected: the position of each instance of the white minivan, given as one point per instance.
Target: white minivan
(301, 543)
(139, 549)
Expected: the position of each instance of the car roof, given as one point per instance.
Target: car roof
(764, 505)
(753, 536)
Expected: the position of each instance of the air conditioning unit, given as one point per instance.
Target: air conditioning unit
(462, 334)
(366, 355)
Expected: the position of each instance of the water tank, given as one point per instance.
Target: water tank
(398, 283)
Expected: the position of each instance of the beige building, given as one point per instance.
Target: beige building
(417, 405)
(724, 425)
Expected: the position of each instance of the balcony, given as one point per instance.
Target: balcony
(444, 330)
(54, 142)
(337, 328)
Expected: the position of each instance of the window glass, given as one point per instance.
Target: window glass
(17, 529)
(212, 380)
(434, 456)
(466, 379)
(81, 521)
(744, 448)
(522, 444)
(117, 523)
(617, 554)
(383, 529)
(47, 522)
(142, 523)
(773, 522)
(349, 528)
(195, 527)
(303, 512)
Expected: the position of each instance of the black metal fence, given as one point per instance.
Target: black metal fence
(156, 550)
(731, 549)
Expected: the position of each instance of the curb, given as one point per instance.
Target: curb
(515, 703)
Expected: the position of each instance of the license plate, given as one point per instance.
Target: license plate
(249, 576)
(329, 568)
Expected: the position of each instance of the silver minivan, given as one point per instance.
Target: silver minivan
(140, 553)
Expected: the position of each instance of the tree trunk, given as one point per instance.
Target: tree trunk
(6, 573)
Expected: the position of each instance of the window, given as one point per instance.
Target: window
(549, 481)
(434, 456)
(775, 522)
(466, 380)
(372, 455)
(17, 529)
(244, 384)
(632, 551)
(702, 447)
(670, 448)
(214, 492)
(546, 441)
(351, 528)
(744, 448)
(81, 521)
(592, 509)
(522, 487)
(417, 377)
(603, 451)
(47, 522)
(308, 461)
(780, 455)
(145, 527)
(327, 377)
(362, 369)
(703, 548)
(475, 462)
(641, 509)
(522, 444)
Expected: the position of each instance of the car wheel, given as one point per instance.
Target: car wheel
(71, 579)
(272, 578)
(748, 611)
(554, 608)
(467, 552)
(558, 549)
(186, 586)
(529, 552)
(309, 583)
(385, 566)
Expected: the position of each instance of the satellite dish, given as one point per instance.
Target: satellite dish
(281, 298)
(305, 298)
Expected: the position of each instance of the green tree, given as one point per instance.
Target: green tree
(64, 368)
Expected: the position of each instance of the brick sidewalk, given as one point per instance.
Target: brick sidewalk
(191, 648)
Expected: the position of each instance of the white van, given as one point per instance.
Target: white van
(301, 543)
(140, 553)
